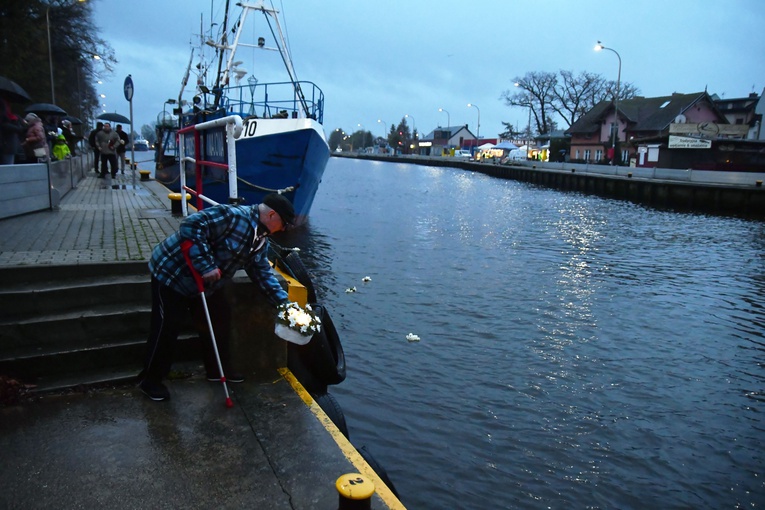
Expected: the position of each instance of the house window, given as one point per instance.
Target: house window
(577, 154)
(625, 155)
(598, 155)
(587, 154)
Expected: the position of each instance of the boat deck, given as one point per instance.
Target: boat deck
(114, 448)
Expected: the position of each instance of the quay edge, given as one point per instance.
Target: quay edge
(742, 195)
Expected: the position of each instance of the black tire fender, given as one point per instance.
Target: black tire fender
(322, 360)
(300, 273)
(334, 412)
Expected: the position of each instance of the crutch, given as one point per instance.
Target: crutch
(185, 247)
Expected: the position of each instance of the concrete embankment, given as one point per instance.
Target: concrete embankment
(717, 192)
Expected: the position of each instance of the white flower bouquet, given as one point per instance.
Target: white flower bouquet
(296, 324)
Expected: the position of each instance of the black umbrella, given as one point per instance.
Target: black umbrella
(45, 109)
(74, 120)
(12, 91)
(114, 117)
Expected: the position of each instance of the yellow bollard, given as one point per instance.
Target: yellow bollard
(758, 184)
(355, 491)
(175, 203)
(144, 174)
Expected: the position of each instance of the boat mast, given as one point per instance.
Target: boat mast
(216, 89)
(281, 44)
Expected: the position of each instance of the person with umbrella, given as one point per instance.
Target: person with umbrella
(35, 144)
(107, 142)
(94, 145)
(11, 129)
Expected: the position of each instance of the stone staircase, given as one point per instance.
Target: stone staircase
(68, 326)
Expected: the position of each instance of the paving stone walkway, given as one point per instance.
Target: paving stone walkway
(102, 220)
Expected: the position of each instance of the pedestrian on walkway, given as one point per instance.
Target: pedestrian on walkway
(122, 147)
(35, 143)
(94, 145)
(224, 238)
(11, 131)
(107, 142)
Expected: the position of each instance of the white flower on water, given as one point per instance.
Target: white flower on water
(412, 337)
(350, 289)
(366, 279)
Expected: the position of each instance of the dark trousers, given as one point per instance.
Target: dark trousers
(96, 159)
(170, 315)
(112, 160)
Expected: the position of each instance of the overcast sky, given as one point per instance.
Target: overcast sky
(384, 60)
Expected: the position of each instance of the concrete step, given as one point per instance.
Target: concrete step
(74, 329)
(24, 300)
(124, 375)
(62, 368)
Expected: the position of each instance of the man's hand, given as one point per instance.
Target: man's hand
(211, 276)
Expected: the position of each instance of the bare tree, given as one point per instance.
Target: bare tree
(535, 91)
(74, 40)
(575, 95)
(568, 95)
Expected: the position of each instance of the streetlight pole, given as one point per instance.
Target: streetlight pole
(385, 127)
(599, 47)
(478, 131)
(448, 117)
(50, 56)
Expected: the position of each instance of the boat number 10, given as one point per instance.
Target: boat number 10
(249, 128)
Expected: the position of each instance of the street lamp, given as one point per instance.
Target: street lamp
(599, 47)
(528, 142)
(448, 117)
(50, 56)
(478, 131)
(385, 127)
(414, 124)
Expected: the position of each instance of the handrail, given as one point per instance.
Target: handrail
(233, 125)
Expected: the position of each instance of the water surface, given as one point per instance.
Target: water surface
(575, 352)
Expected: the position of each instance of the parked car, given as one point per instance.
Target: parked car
(141, 145)
(461, 153)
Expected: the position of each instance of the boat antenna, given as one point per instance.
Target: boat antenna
(286, 57)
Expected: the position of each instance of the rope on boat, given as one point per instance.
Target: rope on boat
(271, 190)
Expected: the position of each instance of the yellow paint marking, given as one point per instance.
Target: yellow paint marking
(346, 447)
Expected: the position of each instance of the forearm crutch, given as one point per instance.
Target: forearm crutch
(185, 247)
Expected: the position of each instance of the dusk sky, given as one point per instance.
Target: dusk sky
(385, 60)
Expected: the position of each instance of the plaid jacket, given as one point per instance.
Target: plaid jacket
(222, 237)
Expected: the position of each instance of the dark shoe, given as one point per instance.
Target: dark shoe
(234, 377)
(155, 391)
(100, 176)
(114, 175)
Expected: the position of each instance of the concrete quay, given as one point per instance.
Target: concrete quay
(715, 192)
(111, 447)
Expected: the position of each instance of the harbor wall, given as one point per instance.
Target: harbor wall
(38, 186)
(735, 193)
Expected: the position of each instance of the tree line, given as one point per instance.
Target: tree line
(551, 99)
(79, 56)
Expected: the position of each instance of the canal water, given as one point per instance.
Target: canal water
(574, 351)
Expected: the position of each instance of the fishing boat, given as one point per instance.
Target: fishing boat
(282, 146)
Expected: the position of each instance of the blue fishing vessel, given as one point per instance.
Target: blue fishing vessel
(282, 146)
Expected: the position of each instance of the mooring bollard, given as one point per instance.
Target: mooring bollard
(758, 184)
(629, 175)
(175, 203)
(355, 492)
(144, 174)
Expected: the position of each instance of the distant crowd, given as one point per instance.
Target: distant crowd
(34, 139)
(40, 138)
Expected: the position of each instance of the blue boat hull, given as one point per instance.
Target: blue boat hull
(289, 159)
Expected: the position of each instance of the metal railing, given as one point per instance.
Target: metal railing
(233, 128)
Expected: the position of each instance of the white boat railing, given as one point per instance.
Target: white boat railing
(233, 127)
